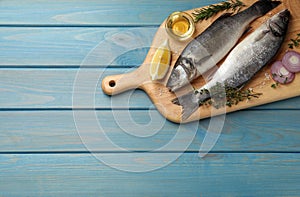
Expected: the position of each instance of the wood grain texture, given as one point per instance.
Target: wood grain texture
(47, 131)
(53, 88)
(162, 98)
(69, 47)
(95, 12)
(216, 175)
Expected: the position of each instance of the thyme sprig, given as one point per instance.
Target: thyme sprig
(294, 42)
(224, 95)
(207, 12)
(275, 85)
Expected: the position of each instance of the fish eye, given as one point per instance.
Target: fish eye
(186, 62)
(276, 33)
(285, 19)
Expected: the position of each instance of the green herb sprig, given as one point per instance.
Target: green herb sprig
(294, 42)
(232, 95)
(207, 12)
(275, 85)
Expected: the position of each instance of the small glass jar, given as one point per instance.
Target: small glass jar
(180, 25)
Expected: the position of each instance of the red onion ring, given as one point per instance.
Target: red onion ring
(281, 74)
(291, 61)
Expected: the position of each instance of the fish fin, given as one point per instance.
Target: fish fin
(261, 35)
(203, 59)
(190, 103)
(188, 106)
(210, 73)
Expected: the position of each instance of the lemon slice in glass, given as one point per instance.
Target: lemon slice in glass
(160, 62)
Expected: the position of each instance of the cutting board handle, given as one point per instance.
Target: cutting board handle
(116, 84)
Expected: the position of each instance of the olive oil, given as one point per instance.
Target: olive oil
(180, 26)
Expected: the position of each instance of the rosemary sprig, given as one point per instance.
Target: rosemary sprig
(232, 95)
(294, 42)
(206, 13)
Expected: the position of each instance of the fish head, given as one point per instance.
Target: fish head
(278, 24)
(182, 74)
(177, 78)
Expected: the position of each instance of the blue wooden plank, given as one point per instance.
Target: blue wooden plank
(53, 88)
(101, 12)
(215, 175)
(44, 47)
(47, 131)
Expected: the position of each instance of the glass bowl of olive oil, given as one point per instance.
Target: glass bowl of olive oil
(180, 25)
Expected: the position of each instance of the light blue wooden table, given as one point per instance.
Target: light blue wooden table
(42, 153)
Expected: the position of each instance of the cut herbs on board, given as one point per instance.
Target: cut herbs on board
(294, 42)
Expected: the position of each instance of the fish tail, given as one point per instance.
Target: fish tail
(190, 103)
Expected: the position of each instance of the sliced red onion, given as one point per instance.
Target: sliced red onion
(281, 74)
(291, 61)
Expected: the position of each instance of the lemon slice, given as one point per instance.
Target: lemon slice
(160, 62)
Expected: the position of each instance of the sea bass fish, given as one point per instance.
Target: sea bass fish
(207, 49)
(243, 62)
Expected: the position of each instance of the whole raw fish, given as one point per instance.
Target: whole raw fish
(243, 62)
(207, 49)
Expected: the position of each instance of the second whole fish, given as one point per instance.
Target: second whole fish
(207, 49)
(243, 62)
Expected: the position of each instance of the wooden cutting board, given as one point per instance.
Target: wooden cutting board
(160, 95)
